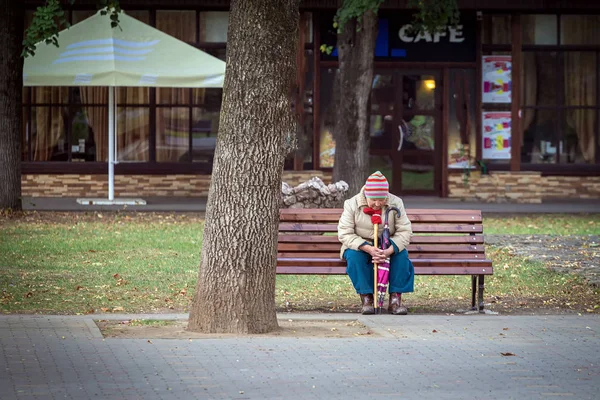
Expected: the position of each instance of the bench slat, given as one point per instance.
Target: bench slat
(322, 254)
(431, 248)
(409, 211)
(414, 218)
(424, 262)
(301, 270)
(417, 228)
(416, 239)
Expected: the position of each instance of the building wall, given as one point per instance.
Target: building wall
(522, 187)
(75, 185)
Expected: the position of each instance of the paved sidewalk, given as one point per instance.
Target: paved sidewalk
(412, 357)
(198, 204)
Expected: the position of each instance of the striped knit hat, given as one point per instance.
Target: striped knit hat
(377, 187)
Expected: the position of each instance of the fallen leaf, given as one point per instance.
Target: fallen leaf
(508, 354)
(149, 341)
(434, 331)
(79, 287)
(116, 276)
(504, 329)
(118, 308)
(104, 309)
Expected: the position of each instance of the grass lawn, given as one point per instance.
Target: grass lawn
(70, 263)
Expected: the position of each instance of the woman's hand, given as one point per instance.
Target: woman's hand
(379, 256)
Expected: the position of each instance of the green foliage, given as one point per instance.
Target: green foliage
(434, 15)
(50, 19)
(431, 16)
(353, 9)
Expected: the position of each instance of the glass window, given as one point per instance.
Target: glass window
(384, 164)
(418, 92)
(91, 115)
(580, 29)
(48, 134)
(540, 78)
(540, 29)
(308, 27)
(173, 96)
(179, 24)
(25, 135)
(327, 118)
(132, 95)
(462, 138)
(209, 98)
(50, 95)
(172, 134)
(205, 127)
(580, 137)
(540, 133)
(496, 29)
(133, 131)
(213, 26)
(581, 71)
(83, 137)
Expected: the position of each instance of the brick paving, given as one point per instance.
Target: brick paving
(413, 357)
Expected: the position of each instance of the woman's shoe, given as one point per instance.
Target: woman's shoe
(367, 304)
(395, 307)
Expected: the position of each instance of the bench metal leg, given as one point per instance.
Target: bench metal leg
(473, 291)
(480, 294)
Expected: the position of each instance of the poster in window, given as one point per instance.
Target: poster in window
(496, 136)
(496, 78)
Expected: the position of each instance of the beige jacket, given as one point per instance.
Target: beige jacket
(355, 227)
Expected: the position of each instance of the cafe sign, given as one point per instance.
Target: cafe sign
(398, 41)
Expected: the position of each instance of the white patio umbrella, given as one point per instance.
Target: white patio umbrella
(92, 53)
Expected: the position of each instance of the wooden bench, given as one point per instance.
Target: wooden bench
(444, 242)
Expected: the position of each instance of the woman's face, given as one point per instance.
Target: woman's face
(376, 204)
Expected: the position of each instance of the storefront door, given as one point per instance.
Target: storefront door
(406, 130)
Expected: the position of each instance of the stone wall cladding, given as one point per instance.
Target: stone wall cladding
(522, 187)
(496, 187)
(75, 185)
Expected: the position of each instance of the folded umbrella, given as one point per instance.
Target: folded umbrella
(383, 270)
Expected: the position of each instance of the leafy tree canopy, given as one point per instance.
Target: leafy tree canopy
(50, 19)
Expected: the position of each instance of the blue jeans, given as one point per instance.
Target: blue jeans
(360, 271)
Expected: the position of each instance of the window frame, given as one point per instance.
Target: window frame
(555, 168)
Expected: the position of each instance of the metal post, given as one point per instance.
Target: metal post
(111, 143)
(473, 291)
(480, 295)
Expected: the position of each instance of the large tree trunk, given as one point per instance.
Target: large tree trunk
(236, 284)
(353, 98)
(11, 86)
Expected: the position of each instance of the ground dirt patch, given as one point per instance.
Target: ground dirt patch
(576, 254)
(177, 329)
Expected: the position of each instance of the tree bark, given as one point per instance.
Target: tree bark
(353, 98)
(236, 283)
(11, 98)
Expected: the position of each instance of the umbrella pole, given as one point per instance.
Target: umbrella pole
(111, 143)
(375, 268)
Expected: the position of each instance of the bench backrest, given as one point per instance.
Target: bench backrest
(443, 234)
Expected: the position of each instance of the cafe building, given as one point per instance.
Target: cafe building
(501, 107)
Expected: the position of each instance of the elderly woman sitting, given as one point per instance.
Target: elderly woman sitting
(356, 233)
